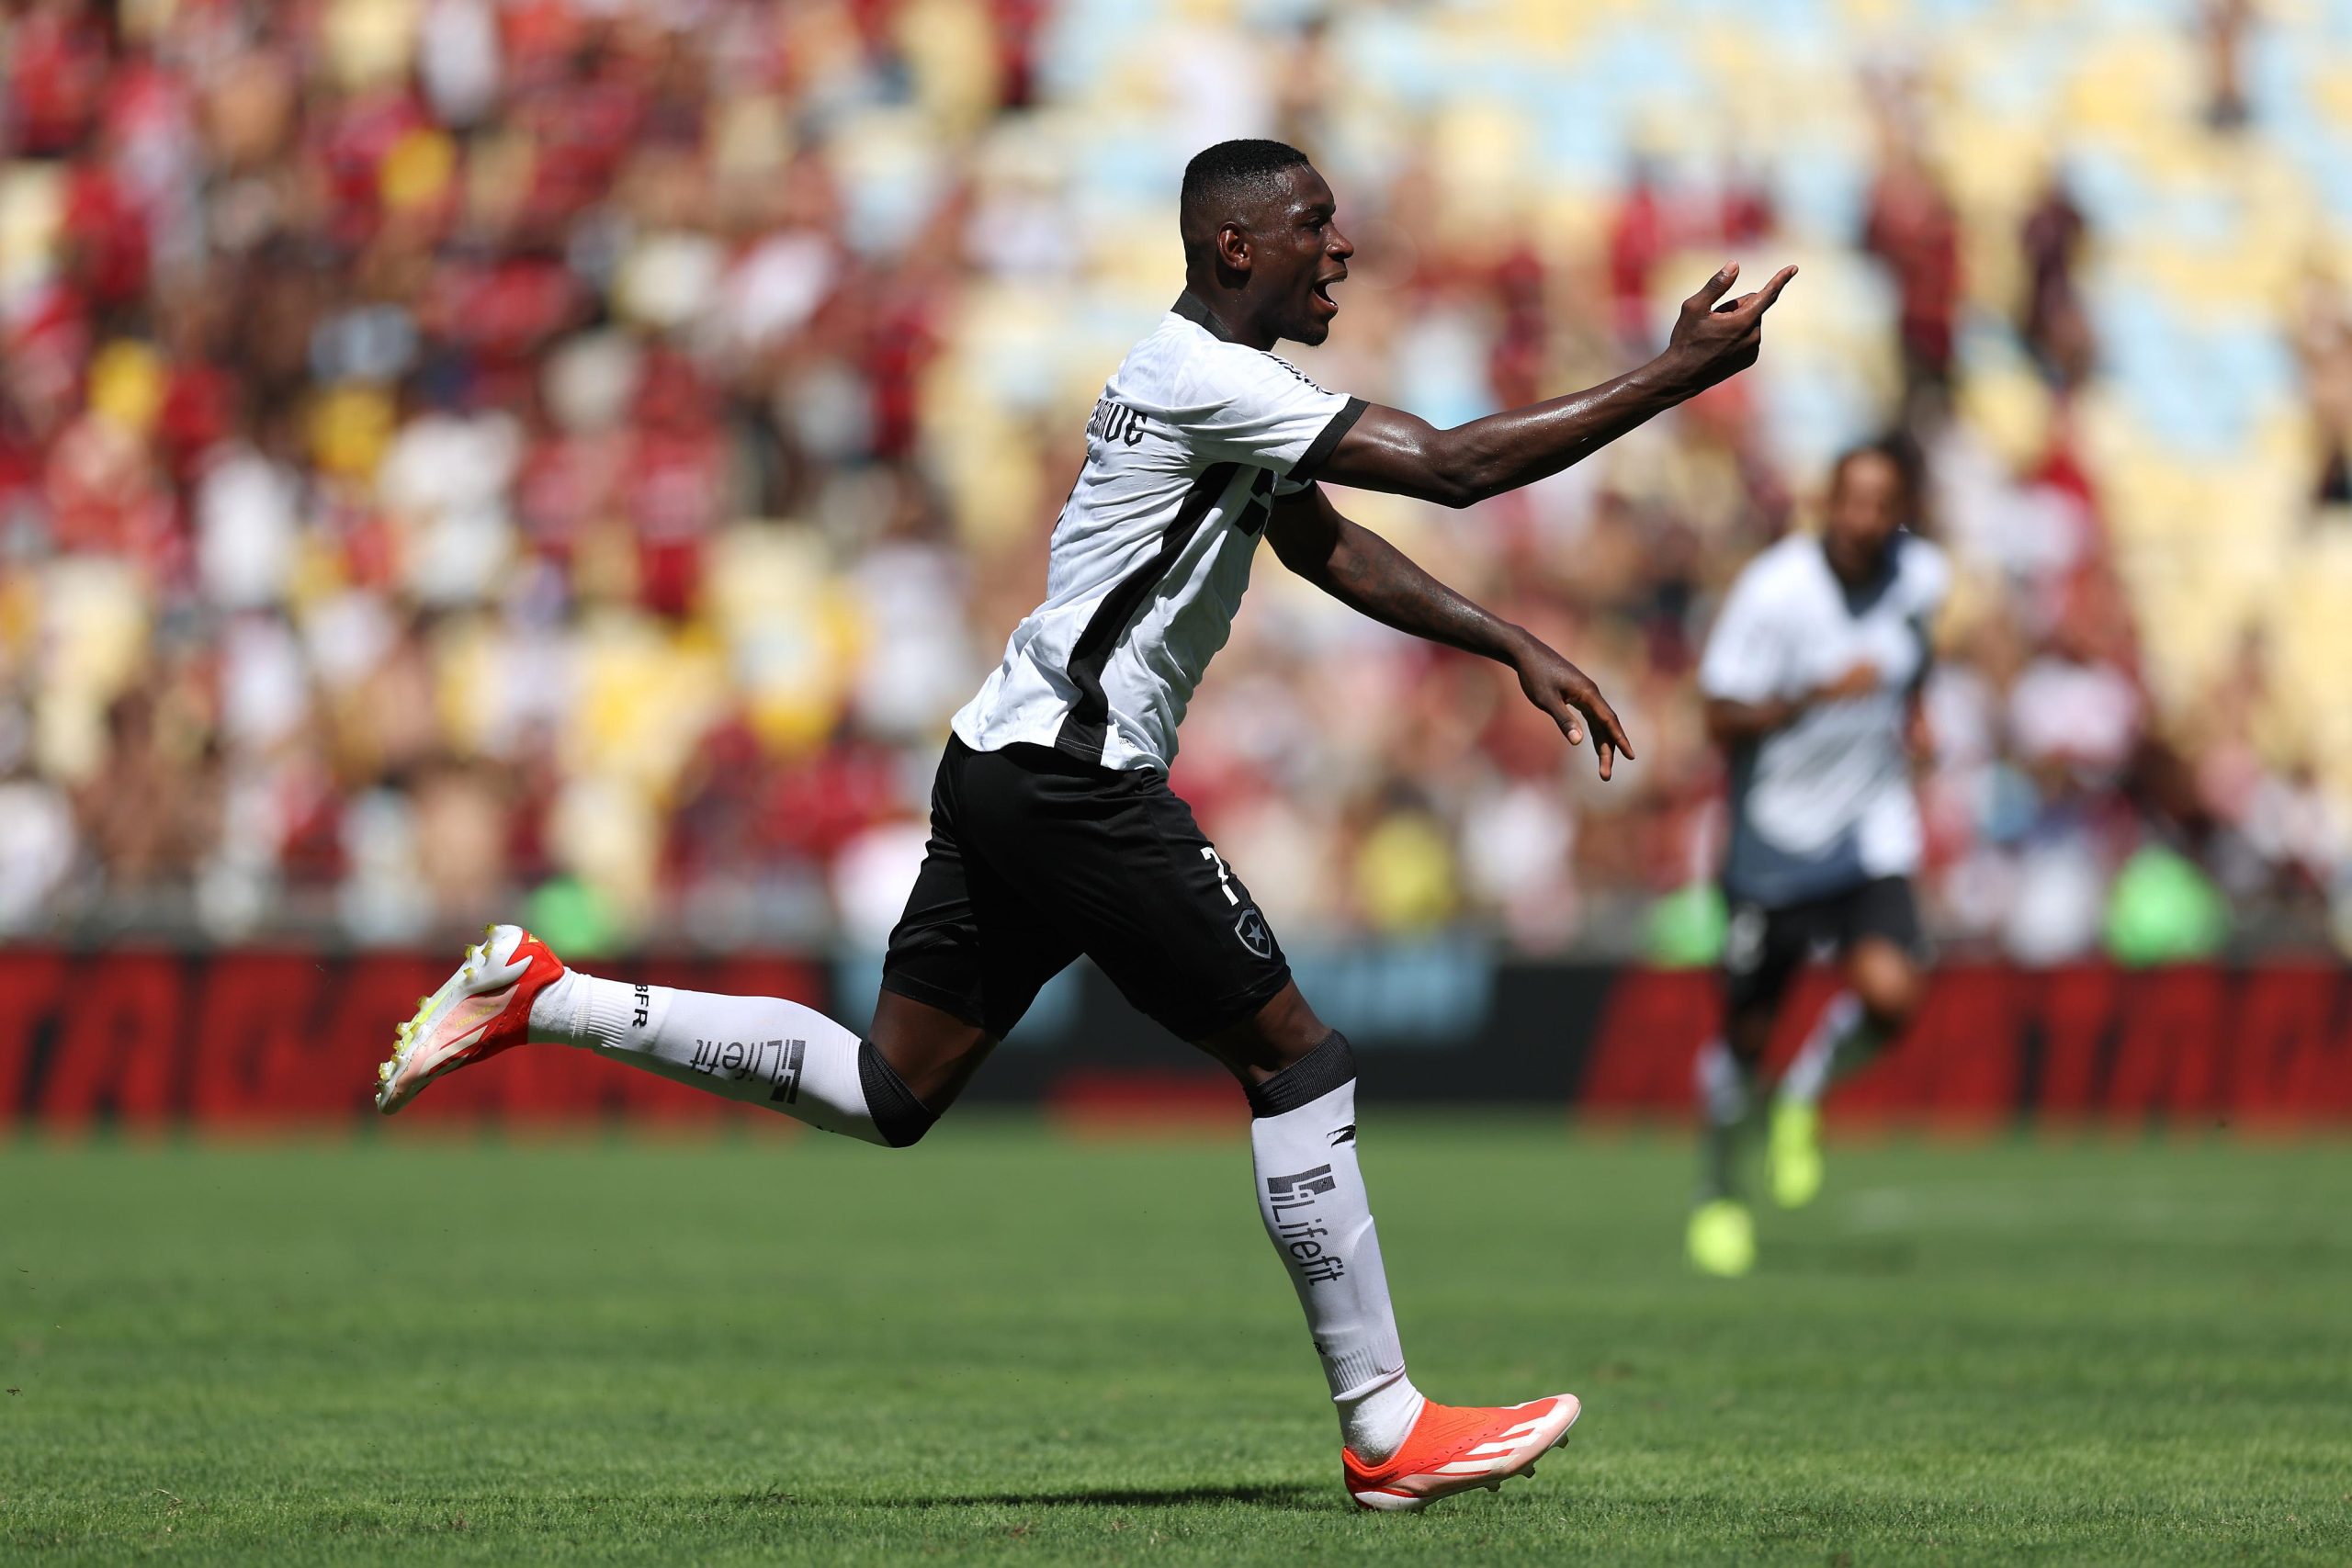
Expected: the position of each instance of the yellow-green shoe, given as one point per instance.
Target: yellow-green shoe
(1794, 1149)
(1722, 1239)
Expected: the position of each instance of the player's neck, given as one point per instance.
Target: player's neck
(1855, 575)
(1221, 314)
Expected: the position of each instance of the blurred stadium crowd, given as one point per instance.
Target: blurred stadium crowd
(463, 455)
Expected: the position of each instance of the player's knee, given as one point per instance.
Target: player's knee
(1331, 1065)
(1288, 1028)
(1283, 1032)
(1889, 991)
(1748, 1034)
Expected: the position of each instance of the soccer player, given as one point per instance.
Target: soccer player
(1054, 832)
(1812, 680)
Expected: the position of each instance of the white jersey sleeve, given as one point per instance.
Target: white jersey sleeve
(1239, 405)
(1193, 437)
(1748, 654)
(1929, 570)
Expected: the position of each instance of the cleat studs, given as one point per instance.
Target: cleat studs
(383, 1072)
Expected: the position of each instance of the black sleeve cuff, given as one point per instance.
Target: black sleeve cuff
(1315, 457)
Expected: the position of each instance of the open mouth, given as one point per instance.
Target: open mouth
(1322, 290)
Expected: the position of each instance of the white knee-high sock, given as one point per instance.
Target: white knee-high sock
(1311, 1196)
(1842, 1039)
(1723, 1086)
(763, 1051)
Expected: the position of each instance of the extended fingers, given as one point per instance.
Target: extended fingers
(1716, 286)
(1606, 717)
(1609, 740)
(1757, 303)
(1607, 734)
(1571, 723)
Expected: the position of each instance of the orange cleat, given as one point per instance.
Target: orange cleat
(479, 1011)
(1453, 1449)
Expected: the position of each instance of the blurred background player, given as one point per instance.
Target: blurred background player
(1812, 680)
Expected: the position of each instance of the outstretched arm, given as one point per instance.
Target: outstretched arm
(1368, 574)
(1387, 449)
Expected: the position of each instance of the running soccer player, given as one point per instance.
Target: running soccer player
(1812, 680)
(1054, 832)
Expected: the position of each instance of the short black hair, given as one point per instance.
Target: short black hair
(1910, 471)
(1221, 177)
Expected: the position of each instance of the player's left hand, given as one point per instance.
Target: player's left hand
(1714, 338)
(1568, 694)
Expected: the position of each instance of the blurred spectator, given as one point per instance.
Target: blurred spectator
(464, 456)
(2225, 24)
(2324, 333)
(2057, 329)
(1912, 229)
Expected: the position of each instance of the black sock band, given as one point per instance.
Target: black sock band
(898, 1116)
(1310, 1078)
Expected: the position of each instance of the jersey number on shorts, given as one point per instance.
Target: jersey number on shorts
(1224, 882)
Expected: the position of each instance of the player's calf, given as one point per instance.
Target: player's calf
(763, 1050)
(1882, 994)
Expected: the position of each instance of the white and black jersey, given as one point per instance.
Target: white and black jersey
(1052, 829)
(1825, 804)
(1193, 438)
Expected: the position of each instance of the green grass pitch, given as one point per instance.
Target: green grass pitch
(1007, 1346)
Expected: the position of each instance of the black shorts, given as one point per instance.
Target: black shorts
(1036, 857)
(1764, 948)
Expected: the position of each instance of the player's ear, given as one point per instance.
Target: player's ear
(1233, 247)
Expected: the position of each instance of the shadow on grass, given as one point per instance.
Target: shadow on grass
(1874, 1257)
(1293, 1496)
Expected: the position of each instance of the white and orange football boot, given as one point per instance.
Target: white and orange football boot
(1454, 1447)
(479, 1011)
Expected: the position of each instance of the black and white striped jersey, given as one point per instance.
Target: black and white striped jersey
(1191, 439)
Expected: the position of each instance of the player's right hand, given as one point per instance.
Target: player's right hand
(1573, 702)
(1716, 338)
(1860, 680)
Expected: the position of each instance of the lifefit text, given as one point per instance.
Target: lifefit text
(1293, 1200)
(778, 1061)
